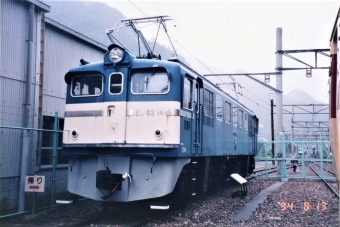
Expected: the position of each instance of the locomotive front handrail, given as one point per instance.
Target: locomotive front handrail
(144, 155)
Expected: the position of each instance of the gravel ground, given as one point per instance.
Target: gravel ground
(296, 203)
(293, 204)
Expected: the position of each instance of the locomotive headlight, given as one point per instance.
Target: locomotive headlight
(116, 55)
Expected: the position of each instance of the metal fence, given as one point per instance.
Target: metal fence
(29, 152)
(300, 154)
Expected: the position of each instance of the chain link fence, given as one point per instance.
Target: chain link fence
(32, 152)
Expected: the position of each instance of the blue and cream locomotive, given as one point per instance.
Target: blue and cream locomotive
(137, 128)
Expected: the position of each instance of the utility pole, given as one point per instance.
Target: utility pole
(279, 124)
(271, 95)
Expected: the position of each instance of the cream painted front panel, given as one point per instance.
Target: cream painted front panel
(83, 123)
(95, 123)
(146, 119)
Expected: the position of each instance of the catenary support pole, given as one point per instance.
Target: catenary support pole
(272, 128)
(55, 153)
(279, 124)
(26, 138)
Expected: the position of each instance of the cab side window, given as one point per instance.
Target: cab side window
(187, 94)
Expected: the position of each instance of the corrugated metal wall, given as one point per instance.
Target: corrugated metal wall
(13, 59)
(13, 37)
(62, 52)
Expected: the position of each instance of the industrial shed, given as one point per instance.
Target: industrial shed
(35, 54)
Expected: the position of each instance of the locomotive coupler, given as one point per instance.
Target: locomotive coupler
(118, 184)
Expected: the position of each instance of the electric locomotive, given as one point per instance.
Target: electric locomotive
(139, 128)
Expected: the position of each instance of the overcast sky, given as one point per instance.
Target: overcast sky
(226, 36)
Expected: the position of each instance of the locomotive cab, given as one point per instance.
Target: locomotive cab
(126, 102)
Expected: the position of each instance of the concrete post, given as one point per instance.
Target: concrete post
(26, 140)
(279, 124)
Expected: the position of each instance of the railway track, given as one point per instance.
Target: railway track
(326, 169)
(311, 165)
(335, 191)
(270, 170)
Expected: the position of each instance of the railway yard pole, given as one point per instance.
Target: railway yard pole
(27, 114)
(271, 95)
(279, 125)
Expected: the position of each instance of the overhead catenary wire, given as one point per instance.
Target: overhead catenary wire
(257, 103)
(201, 63)
(325, 95)
(137, 8)
(196, 46)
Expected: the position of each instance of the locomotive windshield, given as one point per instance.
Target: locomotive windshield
(150, 83)
(87, 85)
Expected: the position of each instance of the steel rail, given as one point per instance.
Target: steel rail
(325, 168)
(335, 192)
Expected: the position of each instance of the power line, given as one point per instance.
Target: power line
(196, 46)
(138, 8)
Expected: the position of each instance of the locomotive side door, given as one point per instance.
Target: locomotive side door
(197, 119)
(254, 131)
(235, 113)
(190, 116)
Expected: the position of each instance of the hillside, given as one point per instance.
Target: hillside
(93, 19)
